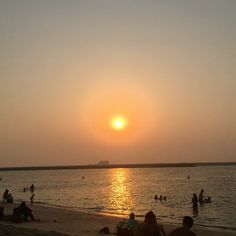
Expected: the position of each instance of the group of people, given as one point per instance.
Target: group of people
(31, 188)
(7, 196)
(150, 227)
(199, 199)
(161, 198)
(32, 191)
(20, 214)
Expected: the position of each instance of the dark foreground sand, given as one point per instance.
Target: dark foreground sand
(61, 222)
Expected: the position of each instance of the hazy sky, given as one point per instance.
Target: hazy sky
(67, 67)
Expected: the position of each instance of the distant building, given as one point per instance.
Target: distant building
(103, 163)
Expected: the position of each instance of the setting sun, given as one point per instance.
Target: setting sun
(118, 123)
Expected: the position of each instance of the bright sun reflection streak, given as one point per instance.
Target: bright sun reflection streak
(120, 197)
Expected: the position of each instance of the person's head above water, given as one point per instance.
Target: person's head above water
(187, 222)
(132, 216)
(23, 204)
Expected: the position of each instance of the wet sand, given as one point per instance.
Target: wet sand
(62, 222)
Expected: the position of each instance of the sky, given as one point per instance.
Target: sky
(67, 68)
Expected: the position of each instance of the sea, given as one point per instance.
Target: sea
(119, 191)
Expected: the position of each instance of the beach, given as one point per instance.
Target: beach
(58, 221)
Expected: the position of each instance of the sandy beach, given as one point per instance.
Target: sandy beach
(58, 221)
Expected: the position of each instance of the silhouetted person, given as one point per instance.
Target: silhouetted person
(160, 198)
(127, 228)
(32, 199)
(201, 197)
(195, 203)
(156, 197)
(7, 196)
(104, 230)
(32, 188)
(131, 222)
(150, 227)
(185, 229)
(1, 213)
(22, 213)
(164, 198)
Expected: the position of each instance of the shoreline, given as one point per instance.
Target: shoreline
(71, 222)
(122, 216)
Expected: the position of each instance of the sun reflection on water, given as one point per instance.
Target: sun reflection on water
(120, 197)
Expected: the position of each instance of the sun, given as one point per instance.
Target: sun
(118, 122)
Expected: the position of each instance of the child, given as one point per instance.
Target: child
(32, 199)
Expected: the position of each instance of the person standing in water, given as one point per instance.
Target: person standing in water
(195, 204)
(201, 197)
(32, 188)
(32, 199)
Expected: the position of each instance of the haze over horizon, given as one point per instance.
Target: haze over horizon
(128, 82)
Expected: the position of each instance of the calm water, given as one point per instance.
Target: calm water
(120, 191)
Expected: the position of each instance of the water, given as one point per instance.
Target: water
(120, 191)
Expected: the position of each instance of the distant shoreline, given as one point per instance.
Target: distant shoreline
(110, 166)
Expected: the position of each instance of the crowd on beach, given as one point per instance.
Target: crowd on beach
(22, 212)
(150, 227)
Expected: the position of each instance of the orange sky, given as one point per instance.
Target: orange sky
(67, 67)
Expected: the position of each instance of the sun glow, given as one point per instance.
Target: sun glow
(117, 120)
(118, 123)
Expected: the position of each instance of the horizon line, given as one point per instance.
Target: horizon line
(110, 166)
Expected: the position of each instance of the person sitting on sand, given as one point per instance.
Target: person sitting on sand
(7, 196)
(127, 227)
(131, 222)
(185, 229)
(150, 227)
(22, 213)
